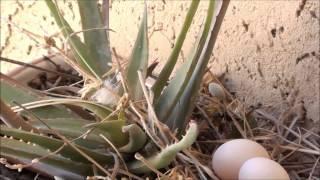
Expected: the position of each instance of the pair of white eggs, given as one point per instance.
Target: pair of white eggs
(246, 160)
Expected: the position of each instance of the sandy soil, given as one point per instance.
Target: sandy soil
(267, 51)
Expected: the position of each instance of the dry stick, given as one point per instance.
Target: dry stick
(290, 142)
(246, 123)
(209, 121)
(34, 161)
(129, 174)
(123, 80)
(74, 64)
(67, 141)
(116, 166)
(114, 148)
(295, 174)
(194, 161)
(57, 95)
(309, 151)
(11, 119)
(47, 102)
(55, 84)
(76, 83)
(153, 137)
(81, 152)
(274, 120)
(37, 67)
(304, 170)
(195, 152)
(84, 135)
(226, 140)
(131, 104)
(286, 140)
(66, 88)
(188, 171)
(288, 155)
(155, 118)
(150, 166)
(105, 15)
(292, 152)
(236, 123)
(314, 134)
(313, 169)
(303, 139)
(47, 58)
(306, 135)
(291, 126)
(191, 160)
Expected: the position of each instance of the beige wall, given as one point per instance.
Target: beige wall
(257, 66)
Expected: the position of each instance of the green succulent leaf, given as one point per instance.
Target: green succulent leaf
(112, 130)
(137, 138)
(178, 85)
(96, 40)
(71, 128)
(12, 119)
(171, 62)
(79, 49)
(167, 155)
(185, 105)
(138, 60)
(12, 91)
(54, 165)
(129, 138)
(99, 110)
(54, 144)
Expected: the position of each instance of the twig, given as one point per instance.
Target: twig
(153, 137)
(309, 151)
(313, 169)
(209, 121)
(154, 116)
(33, 162)
(129, 174)
(66, 88)
(150, 166)
(236, 123)
(274, 120)
(105, 15)
(295, 119)
(85, 30)
(116, 150)
(37, 67)
(11, 119)
(194, 161)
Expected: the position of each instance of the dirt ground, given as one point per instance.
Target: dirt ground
(266, 54)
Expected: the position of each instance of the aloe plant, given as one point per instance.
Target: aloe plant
(45, 134)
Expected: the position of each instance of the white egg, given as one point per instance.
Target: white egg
(262, 168)
(230, 156)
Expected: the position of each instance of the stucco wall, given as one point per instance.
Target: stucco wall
(265, 51)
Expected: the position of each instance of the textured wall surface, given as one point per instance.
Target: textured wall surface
(266, 49)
